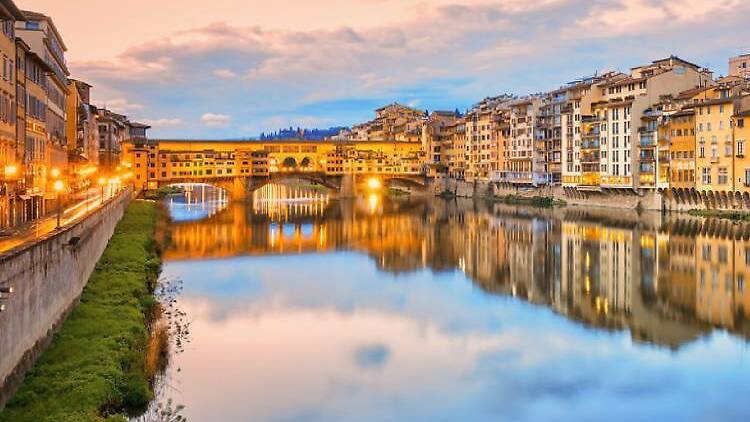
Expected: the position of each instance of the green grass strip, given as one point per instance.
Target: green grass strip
(93, 370)
(727, 215)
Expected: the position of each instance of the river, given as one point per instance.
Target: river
(296, 306)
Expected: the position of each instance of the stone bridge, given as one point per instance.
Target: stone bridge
(343, 186)
(241, 167)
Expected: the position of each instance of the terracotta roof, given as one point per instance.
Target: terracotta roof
(690, 93)
(678, 59)
(683, 113)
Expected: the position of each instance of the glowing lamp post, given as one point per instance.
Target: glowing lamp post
(58, 186)
(102, 182)
(10, 173)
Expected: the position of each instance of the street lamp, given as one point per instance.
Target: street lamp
(58, 186)
(10, 172)
(102, 182)
(55, 172)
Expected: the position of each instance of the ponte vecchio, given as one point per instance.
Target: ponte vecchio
(241, 167)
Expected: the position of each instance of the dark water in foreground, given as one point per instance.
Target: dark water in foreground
(380, 310)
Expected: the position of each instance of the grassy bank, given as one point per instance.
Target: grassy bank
(728, 215)
(94, 369)
(161, 193)
(534, 201)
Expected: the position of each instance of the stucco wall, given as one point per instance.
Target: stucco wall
(48, 278)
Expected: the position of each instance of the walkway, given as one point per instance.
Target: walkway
(32, 232)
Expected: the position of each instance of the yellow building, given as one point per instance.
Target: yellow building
(10, 151)
(680, 128)
(741, 134)
(715, 148)
(81, 126)
(486, 132)
(41, 35)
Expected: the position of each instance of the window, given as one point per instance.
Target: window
(723, 254)
(740, 147)
(706, 176)
(723, 179)
(740, 283)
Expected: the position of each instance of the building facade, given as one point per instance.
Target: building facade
(740, 66)
(10, 151)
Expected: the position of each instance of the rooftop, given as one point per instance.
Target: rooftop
(9, 10)
(36, 16)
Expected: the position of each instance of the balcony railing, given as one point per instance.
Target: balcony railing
(590, 158)
(590, 144)
(647, 156)
(647, 141)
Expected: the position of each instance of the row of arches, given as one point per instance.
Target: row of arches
(728, 200)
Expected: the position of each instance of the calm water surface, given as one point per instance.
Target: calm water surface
(306, 308)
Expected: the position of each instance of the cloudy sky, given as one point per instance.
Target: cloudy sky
(234, 68)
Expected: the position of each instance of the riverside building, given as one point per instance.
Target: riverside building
(11, 152)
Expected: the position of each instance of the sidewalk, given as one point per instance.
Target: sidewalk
(29, 233)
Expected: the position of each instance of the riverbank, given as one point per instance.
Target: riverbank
(94, 369)
(743, 216)
(533, 201)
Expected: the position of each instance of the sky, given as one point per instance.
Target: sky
(234, 68)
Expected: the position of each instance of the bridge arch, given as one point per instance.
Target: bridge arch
(333, 183)
(289, 163)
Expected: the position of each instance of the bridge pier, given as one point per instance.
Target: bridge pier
(239, 191)
(348, 186)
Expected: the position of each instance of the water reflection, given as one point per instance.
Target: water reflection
(197, 202)
(418, 310)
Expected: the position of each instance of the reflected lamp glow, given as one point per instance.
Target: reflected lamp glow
(58, 186)
(374, 183)
(55, 172)
(373, 201)
(10, 171)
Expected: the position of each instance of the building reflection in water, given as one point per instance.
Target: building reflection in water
(198, 201)
(283, 202)
(667, 281)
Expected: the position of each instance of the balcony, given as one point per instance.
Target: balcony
(589, 119)
(647, 168)
(647, 141)
(590, 158)
(647, 155)
(590, 144)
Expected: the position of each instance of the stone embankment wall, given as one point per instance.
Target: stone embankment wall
(612, 198)
(47, 279)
